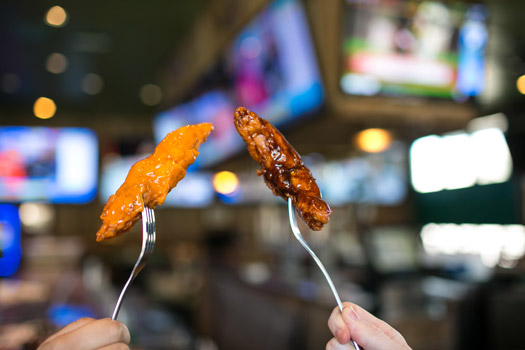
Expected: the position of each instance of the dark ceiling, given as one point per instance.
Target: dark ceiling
(128, 42)
(124, 42)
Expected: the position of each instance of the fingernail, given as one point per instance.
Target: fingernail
(350, 312)
(353, 313)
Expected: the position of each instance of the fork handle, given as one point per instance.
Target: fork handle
(297, 234)
(121, 297)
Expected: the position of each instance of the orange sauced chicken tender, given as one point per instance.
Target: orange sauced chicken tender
(152, 178)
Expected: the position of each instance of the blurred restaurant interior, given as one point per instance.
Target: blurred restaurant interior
(409, 113)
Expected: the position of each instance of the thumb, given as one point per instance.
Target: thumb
(367, 334)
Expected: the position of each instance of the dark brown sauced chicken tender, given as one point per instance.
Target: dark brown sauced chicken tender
(282, 167)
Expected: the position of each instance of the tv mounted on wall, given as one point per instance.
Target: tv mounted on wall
(269, 67)
(57, 165)
(411, 48)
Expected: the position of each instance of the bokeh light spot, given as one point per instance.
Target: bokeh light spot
(225, 182)
(56, 16)
(520, 84)
(150, 94)
(56, 63)
(92, 84)
(44, 108)
(373, 140)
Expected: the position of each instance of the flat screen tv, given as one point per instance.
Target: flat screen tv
(57, 165)
(270, 67)
(10, 243)
(426, 49)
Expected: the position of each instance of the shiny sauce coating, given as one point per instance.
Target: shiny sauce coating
(150, 180)
(282, 167)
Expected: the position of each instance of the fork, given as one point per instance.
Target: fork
(299, 237)
(148, 244)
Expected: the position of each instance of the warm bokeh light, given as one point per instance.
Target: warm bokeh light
(92, 84)
(373, 140)
(56, 63)
(56, 17)
(44, 108)
(520, 84)
(37, 217)
(225, 182)
(150, 94)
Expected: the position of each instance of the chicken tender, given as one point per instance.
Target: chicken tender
(282, 167)
(149, 180)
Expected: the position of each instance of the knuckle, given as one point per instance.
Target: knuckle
(114, 330)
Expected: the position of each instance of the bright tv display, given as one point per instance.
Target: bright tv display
(270, 67)
(58, 165)
(413, 48)
(10, 244)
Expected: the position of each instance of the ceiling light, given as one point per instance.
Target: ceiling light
(56, 17)
(520, 84)
(56, 63)
(44, 108)
(150, 94)
(373, 140)
(225, 182)
(92, 84)
(36, 217)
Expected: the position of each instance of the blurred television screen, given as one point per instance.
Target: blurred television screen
(379, 178)
(413, 48)
(58, 165)
(270, 67)
(10, 243)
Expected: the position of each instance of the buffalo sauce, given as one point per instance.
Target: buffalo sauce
(149, 180)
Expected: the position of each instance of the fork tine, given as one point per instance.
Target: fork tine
(299, 237)
(148, 244)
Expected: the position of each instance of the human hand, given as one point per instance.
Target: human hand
(89, 334)
(369, 332)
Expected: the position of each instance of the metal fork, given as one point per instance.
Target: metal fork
(148, 243)
(299, 237)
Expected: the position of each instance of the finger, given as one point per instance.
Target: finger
(118, 346)
(352, 312)
(337, 326)
(369, 335)
(93, 335)
(333, 344)
(71, 327)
